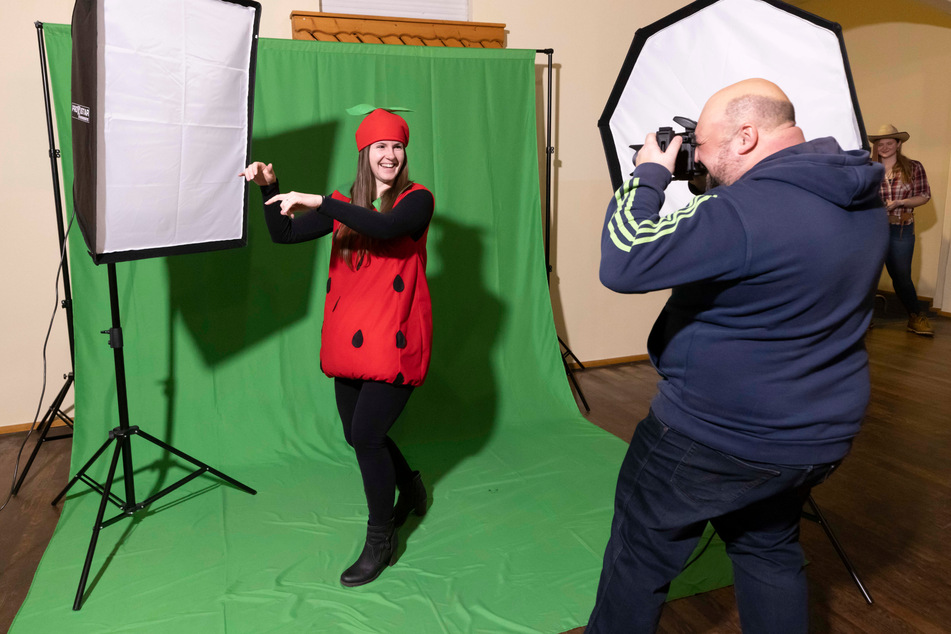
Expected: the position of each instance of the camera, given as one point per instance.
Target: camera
(686, 168)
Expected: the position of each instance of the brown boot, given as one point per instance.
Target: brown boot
(919, 324)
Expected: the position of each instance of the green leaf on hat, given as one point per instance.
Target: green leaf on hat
(365, 108)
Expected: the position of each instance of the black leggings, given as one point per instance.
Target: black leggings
(368, 410)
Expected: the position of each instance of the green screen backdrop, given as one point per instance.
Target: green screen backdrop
(221, 353)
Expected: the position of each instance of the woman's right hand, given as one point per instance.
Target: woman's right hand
(260, 173)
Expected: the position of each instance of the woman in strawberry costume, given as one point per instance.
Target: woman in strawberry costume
(377, 332)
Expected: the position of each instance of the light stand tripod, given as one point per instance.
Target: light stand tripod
(549, 151)
(122, 435)
(816, 516)
(55, 411)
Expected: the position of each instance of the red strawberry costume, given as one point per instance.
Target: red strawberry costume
(378, 316)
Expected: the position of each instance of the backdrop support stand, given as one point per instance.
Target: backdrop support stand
(55, 411)
(817, 517)
(122, 435)
(53, 414)
(549, 151)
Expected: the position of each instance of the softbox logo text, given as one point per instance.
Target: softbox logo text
(81, 113)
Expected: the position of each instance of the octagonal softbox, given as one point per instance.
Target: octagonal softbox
(162, 108)
(675, 64)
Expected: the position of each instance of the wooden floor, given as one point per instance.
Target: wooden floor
(890, 502)
(27, 522)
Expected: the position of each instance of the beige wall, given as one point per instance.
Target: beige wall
(589, 44)
(590, 41)
(900, 52)
(29, 247)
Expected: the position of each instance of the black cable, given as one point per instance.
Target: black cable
(39, 406)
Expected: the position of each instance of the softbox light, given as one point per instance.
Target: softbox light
(162, 98)
(675, 64)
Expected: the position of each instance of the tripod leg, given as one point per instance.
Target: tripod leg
(69, 423)
(82, 471)
(78, 603)
(570, 353)
(45, 426)
(571, 375)
(198, 463)
(821, 520)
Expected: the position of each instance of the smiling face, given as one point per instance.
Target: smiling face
(386, 160)
(887, 148)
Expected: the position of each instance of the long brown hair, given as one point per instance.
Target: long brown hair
(353, 247)
(902, 164)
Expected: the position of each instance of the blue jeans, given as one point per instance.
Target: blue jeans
(901, 247)
(668, 488)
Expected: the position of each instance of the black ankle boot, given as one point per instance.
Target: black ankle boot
(411, 499)
(379, 551)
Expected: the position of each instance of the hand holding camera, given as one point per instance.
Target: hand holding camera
(652, 152)
(682, 146)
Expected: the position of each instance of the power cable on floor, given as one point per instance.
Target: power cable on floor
(39, 406)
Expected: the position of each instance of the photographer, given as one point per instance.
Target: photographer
(764, 374)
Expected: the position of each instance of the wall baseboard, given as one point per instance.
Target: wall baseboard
(597, 363)
(890, 296)
(18, 427)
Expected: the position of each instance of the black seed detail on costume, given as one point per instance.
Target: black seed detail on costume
(398, 285)
(357, 340)
(400, 339)
(399, 379)
(328, 284)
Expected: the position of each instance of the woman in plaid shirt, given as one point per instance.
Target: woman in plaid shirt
(905, 187)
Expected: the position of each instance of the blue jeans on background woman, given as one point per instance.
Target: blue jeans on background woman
(901, 248)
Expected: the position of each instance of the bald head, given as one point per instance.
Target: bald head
(741, 125)
(752, 100)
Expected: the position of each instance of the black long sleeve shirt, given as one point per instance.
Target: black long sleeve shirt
(409, 217)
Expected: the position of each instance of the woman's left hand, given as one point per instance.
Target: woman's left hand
(891, 205)
(294, 202)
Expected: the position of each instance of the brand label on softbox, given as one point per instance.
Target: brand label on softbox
(81, 113)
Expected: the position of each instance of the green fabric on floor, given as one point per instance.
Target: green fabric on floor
(221, 357)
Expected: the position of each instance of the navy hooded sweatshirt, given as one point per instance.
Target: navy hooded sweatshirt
(760, 347)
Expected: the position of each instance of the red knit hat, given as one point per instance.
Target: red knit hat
(382, 125)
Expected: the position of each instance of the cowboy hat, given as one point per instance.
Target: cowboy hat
(888, 131)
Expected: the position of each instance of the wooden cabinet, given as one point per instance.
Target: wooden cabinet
(368, 29)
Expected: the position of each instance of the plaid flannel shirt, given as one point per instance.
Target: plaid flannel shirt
(894, 188)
